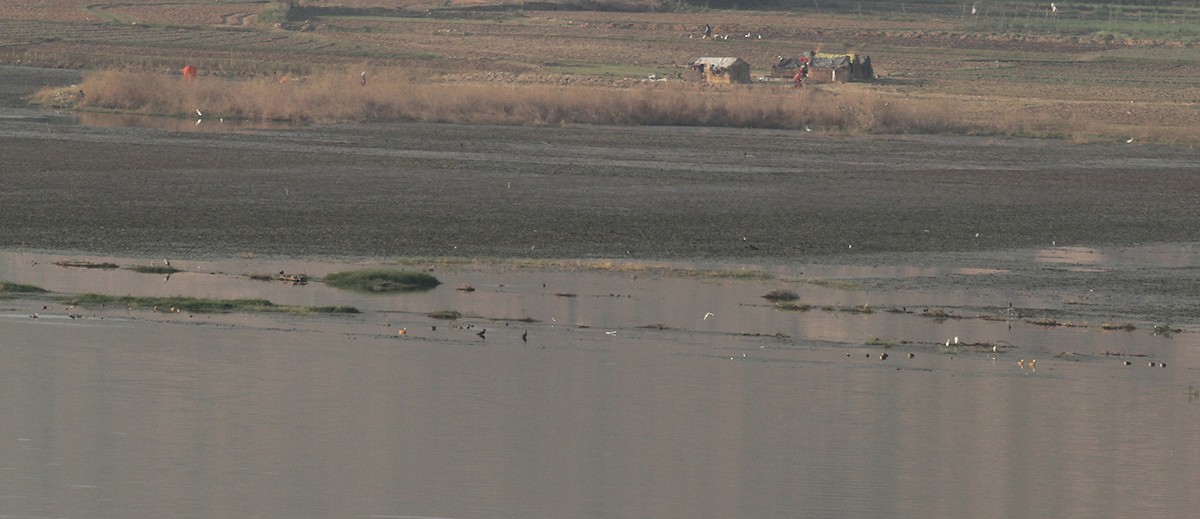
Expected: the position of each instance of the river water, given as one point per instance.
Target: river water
(626, 399)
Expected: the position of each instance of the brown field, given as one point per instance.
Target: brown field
(1085, 87)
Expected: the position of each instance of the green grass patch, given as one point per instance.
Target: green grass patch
(781, 294)
(382, 280)
(7, 287)
(862, 309)
(732, 274)
(1124, 327)
(86, 264)
(1165, 330)
(793, 305)
(154, 269)
(513, 319)
(886, 343)
(205, 305)
(592, 265)
(276, 12)
(445, 315)
(839, 284)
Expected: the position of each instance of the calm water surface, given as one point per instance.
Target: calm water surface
(751, 412)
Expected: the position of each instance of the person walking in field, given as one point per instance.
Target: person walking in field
(189, 73)
(707, 31)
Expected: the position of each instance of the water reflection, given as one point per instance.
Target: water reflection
(752, 412)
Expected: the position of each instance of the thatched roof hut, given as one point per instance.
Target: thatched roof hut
(722, 70)
(840, 68)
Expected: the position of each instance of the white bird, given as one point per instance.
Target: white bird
(610, 333)
(198, 113)
(956, 340)
(760, 36)
(973, 9)
(1053, 8)
(707, 315)
(747, 35)
(1129, 141)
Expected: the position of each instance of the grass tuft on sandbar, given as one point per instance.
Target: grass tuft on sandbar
(197, 305)
(7, 287)
(382, 280)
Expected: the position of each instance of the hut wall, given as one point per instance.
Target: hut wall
(739, 73)
(829, 75)
(722, 78)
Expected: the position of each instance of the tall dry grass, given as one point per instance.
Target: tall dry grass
(390, 95)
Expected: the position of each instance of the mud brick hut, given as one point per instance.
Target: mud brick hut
(839, 68)
(722, 70)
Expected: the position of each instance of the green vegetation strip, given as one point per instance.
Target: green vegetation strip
(382, 280)
(205, 306)
(17, 288)
(154, 269)
(447, 315)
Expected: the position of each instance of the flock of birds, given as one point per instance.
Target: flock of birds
(748, 35)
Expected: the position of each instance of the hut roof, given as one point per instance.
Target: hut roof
(831, 62)
(717, 62)
(789, 63)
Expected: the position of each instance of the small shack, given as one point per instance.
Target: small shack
(840, 68)
(788, 67)
(722, 70)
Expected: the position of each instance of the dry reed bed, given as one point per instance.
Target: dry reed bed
(338, 97)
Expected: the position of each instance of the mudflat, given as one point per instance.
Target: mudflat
(652, 193)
